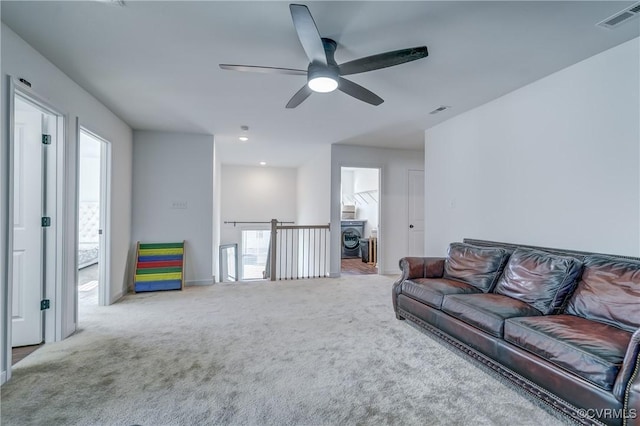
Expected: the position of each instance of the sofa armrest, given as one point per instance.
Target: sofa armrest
(416, 267)
(627, 385)
(421, 267)
(628, 366)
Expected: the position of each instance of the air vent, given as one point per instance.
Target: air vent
(113, 2)
(439, 109)
(621, 17)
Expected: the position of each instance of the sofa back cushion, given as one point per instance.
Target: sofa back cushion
(478, 266)
(543, 280)
(609, 292)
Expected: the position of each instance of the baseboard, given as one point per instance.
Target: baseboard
(198, 282)
(117, 297)
(390, 272)
(3, 378)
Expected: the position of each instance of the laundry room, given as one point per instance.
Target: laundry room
(360, 204)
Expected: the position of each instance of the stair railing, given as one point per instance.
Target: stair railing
(298, 251)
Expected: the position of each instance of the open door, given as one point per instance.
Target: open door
(28, 244)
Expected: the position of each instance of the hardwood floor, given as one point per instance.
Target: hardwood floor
(19, 353)
(357, 267)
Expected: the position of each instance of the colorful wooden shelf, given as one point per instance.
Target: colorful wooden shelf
(159, 266)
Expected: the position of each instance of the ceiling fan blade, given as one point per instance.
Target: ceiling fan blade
(266, 70)
(359, 92)
(383, 60)
(308, 33)
(299, 97)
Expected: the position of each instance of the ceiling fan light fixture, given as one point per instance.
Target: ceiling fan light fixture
(322, 79)
(322, 84)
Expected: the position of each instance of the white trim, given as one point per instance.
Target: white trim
(8, 229)
(116, 297)
(105, 212)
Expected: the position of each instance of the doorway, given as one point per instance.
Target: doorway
(36, 135)
(360, 216)
(255, 250)
(93, 196)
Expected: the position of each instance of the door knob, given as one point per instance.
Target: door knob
(411, 226)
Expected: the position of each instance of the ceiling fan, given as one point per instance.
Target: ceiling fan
(323, 73)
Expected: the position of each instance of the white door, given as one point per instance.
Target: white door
(27, 228)
(416, 213)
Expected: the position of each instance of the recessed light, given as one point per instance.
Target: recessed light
(243, 138)
(262, 163)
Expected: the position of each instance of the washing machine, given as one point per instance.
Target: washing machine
(352, 232)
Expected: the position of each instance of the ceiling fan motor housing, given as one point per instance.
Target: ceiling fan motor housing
(321, 72)
(324, 78)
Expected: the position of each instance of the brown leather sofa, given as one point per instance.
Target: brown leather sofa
(564, 325)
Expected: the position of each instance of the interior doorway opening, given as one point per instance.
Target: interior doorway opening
(92, 220)
(360, 216)
(255, 250)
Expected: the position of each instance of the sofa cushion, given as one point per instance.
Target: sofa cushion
(541, 279)
(478, 266)
(432, 290)
(609, 291)
(486, 311)
(589, 349)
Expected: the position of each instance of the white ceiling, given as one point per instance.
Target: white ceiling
(155, 64)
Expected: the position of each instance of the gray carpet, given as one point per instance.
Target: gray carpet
(309, 352)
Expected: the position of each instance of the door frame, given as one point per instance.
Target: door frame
(54, 247)
(337, 245)
(104, 260)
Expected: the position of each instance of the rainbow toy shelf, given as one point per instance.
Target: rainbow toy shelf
(159, 266)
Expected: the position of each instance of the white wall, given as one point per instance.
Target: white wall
(89, 170)
(365, 180)
(555, 163)
(367, 195)
(314, 189)
(48, 82)
(217, 211)
(173, 195)
(255, 194)
(346, 186)
(393, 239)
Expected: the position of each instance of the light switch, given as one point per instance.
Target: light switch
(179, 205)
